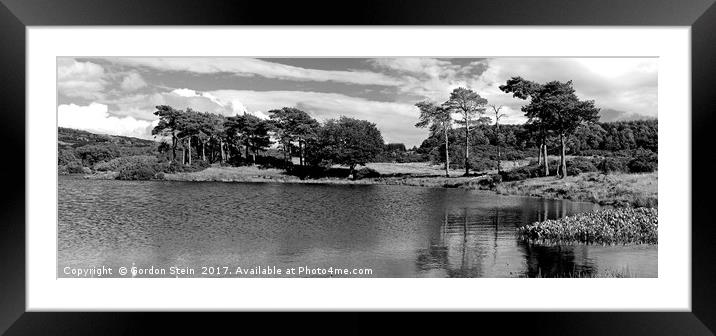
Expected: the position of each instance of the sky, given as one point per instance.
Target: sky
(112, 95)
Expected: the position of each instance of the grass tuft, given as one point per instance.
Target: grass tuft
(614, 226)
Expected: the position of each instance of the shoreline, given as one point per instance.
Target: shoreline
(618, 190)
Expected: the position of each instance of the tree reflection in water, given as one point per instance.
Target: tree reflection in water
(473, 242)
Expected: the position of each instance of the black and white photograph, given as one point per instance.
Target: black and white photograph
(500, 159)
(400, 167)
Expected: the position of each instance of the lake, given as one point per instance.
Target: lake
(231, 229)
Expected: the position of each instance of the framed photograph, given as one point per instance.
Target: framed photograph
(424, 157)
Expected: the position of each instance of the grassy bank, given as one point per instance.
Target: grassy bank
(638, 190)
(413, 175)
(612, 226)
(619, 189)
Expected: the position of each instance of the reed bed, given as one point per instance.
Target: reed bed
(621, 226)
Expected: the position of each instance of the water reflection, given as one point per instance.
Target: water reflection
(396, 231)
(481, 243)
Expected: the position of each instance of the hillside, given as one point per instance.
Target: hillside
(69, 137)
(77, 148)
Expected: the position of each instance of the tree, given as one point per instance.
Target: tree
(556, 107)
(563, 112)
(250, 131)
(189, 125)
(258, 134)
(293, 125)
(347, 141)
(439, 119)
(497, 109)
(524, 89)
(468, 104)
(168, 125)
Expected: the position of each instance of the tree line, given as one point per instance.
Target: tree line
(518, 141)
(241, 139)
(553, 111)
(465, 132)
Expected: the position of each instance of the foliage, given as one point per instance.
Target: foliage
(117, 164)
(318, 171)
(62, 170)
(643, 162)
(249, 131)
(490, 181)
(401, 157)
(92, 154)
(468, 104)
(346, 141)
(581, 165)
(79, 150)
(137, 171)
(518, 141)
(272, 162)
(619, 226)
(66, 156)
(293, 125)
(522, 173)
(76, 168)
(613, 165)
(395, 147)
(366, 172)
(553, 107)
(173, 167)
(479, 163)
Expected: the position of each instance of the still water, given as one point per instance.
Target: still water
(394, 231)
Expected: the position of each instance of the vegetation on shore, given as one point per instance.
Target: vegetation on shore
(606, 163)
(611, 226)
(619, 190)
(606, 273)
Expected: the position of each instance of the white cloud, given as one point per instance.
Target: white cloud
(80, 79)
(395, 120)
(142, 106)
(625, 84)
(96, 118)
(133, 82)
(242, 66)
(429, 77)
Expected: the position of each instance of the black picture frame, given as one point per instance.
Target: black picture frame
(16, 15)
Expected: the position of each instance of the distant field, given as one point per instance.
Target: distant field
(612, 189)
(428, 169)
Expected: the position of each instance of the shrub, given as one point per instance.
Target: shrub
(613, 165)
(75, 168)
(91, 154)
(517, 174)
(66, 156)
(62, 170)
(265, 162)
(490, 181)
(365, 173)
(173, 167)
(522, 173)
(481, 164)
(311, 171)
(137, 171)
(578, 166)
(643, 162)
(117, 164)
